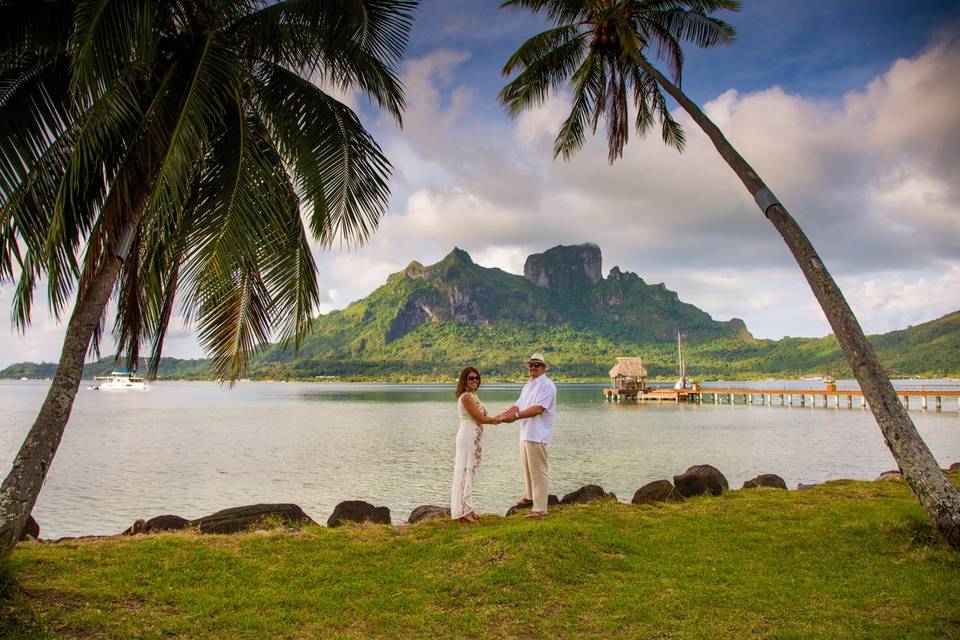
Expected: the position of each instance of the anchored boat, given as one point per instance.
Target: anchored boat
(120, 381)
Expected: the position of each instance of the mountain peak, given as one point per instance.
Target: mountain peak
(565, 267)
(457, 256)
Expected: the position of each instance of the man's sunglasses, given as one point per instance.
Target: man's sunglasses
(473, 377)
(534, 365)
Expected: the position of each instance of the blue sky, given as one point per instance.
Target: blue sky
(846, 108)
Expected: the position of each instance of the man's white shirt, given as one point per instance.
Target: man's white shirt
(539, 391)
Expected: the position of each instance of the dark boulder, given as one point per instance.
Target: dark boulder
(31, 529)
(585, 494)
(656, 491)
(139, 526)
(552, 501)
(428, 512)
(700, 479)
(893, 474)
(242, 518)
(771, 480)
(358, 511)
(167, 522)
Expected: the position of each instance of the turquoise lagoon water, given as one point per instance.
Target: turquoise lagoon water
(192, 448)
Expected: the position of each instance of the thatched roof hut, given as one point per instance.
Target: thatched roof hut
(629, 367)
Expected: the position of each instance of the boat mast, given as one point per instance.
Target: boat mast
(681, 367)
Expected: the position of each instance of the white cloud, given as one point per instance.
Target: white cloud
(892, 301)
(873, 177)
(685, 219)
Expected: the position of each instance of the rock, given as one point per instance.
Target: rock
(242, 518)
(656, 491)
(167, 522)
(358, 511)
(770, 480)
(955, 467)
(552, 501)
(139, 526)
(428, 512)
(564, 267)
(700, 479)
(31, 530)
(585, 494)
(893, 474)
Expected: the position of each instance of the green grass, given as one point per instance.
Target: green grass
(844, 560)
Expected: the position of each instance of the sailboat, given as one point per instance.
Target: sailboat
(120, 381)
(681, 367)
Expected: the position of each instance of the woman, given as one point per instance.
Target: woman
(469, 438)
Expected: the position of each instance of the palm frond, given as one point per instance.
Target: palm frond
(128, 326)
(643, 89)
(667, 48)
(289, 269)
(615, 110)
(671, 131)
(247, 216)
(345, 42)
(587, 89)
(694, 26)
(546, 61)
(340, 170)
(558, 11)
(37, 130)
(234, 319)
(194, 106)
(109, 37)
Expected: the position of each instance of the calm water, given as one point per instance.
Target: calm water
(192, 448)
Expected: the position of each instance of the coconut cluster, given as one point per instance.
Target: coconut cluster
(605, 39)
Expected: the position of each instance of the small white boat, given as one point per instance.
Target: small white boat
(120, 381)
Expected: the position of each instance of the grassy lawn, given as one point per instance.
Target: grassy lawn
(844, 560)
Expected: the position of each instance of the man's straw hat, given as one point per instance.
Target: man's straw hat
(538, 357)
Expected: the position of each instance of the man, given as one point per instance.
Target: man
(536, 408)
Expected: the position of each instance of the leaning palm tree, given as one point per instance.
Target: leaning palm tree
(602, 50)
(181, 150)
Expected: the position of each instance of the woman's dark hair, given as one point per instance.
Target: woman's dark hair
(462, 382)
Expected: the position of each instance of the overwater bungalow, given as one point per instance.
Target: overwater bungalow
(628, 378)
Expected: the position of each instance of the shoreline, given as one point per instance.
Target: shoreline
(844, 560)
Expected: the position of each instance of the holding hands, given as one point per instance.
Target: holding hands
(510, 415)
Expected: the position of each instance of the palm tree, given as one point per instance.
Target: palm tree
(602, 49)
(169, 150)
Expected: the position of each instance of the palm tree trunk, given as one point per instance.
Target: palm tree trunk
(21, 488)
(936, 494)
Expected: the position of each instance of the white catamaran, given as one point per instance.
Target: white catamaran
(120, 381)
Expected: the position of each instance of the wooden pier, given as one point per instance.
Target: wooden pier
(828, 397)
(649, 395)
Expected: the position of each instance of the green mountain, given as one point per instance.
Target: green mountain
(430, 321)
(427, 322)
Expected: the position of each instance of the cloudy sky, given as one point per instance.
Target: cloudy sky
(847, 108)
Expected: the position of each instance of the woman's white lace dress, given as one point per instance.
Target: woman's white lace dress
(466, 466)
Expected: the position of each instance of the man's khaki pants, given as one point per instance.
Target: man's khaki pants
(533, 457)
